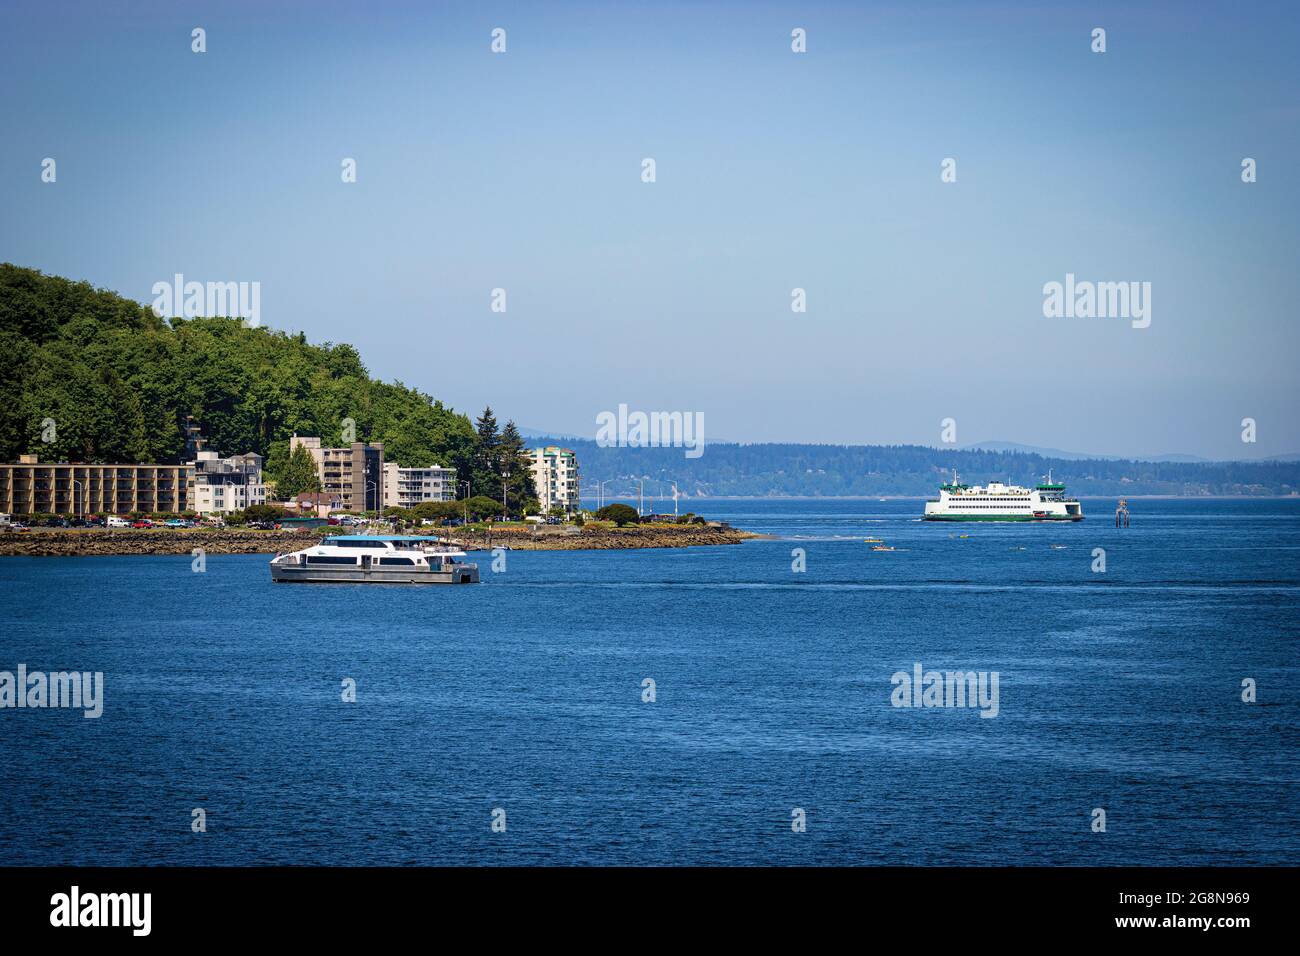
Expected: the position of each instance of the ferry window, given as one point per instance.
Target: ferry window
(330, 559)
(396, 561)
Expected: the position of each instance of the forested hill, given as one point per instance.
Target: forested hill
(118, 382)
(788, 469)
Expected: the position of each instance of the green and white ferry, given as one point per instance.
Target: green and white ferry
(998, 502)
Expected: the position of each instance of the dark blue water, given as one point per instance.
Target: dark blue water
(1119, 691)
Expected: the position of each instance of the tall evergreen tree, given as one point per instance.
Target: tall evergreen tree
(486, 473)
(512, 459)
(299, 475)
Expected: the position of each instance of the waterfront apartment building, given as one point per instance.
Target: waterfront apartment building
(30, 487)
(555, 474)
(227, 484)
(408, 487)
(354, 473)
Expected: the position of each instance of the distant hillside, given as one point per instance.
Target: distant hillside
(1057, 454)
(117, 382)
(830, 470)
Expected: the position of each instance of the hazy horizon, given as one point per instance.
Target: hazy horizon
(775, 170)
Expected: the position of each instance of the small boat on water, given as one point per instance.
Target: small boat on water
(375, 559)
(881, 547)
(874, 540)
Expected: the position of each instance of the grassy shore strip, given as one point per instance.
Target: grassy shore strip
(79, 542)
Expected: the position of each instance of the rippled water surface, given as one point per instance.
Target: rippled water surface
(1118, 690)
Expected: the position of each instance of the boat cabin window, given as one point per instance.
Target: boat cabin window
(331, 559)
(407, 561)
(344, 543)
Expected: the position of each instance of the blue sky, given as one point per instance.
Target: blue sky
(775, 170)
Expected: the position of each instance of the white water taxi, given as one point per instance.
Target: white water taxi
(375, 559)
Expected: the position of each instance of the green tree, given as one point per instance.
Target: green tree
(485, 474)
(263, 513)
(439, 511)
(513, 459)
(481, 507)
(299, 475)
(619, 514)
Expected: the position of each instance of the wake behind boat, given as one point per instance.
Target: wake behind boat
(375, 559)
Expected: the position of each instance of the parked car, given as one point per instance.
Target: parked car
(113, 521)
(178, 523)
(16, 526)
(142, 523)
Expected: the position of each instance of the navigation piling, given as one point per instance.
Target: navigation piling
(1121, 514)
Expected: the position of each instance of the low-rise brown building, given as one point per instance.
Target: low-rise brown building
(30, 487)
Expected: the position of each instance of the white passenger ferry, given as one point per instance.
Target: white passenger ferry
(998, 502)
(375, 559)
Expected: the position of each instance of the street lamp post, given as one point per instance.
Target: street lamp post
(467, 490)
(505, 484)
(600, 491)
(75, 495)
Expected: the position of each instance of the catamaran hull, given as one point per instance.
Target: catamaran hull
(291, 574)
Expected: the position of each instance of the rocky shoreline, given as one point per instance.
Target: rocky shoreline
(56, 542)
(550, 538)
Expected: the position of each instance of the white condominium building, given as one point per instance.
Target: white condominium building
(408, 487)
(555, 473)
(227, 484)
